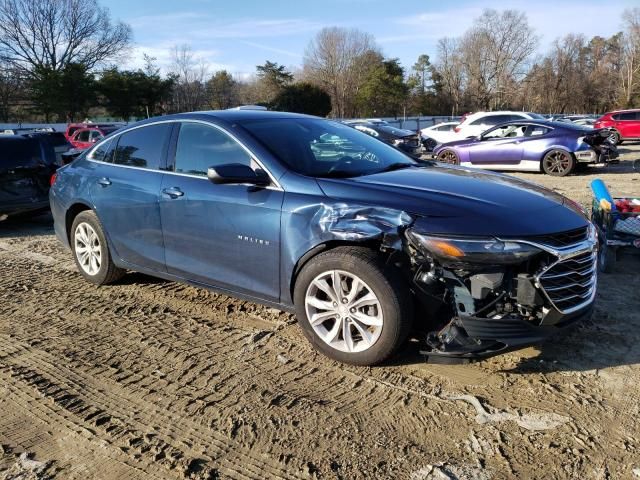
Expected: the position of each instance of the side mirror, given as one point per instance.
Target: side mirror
(237, 173)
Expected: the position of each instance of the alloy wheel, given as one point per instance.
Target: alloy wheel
(87, 248)
(448, 156)
(557, 162)
(344, 311)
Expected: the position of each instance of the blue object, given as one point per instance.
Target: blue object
(281, 208)
(601, 192)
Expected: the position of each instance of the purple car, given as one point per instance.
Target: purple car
(530, 145)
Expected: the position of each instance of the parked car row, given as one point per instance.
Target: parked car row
(523, 141)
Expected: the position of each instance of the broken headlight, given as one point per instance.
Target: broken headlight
(473, 249)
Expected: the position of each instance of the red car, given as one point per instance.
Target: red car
(74, 127)
(624, 125)
(85, 137)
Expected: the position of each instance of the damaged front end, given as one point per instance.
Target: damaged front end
(496, 294)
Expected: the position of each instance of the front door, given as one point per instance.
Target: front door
(499, 146)
(221, 235)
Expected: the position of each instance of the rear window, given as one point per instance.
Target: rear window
(19, 152)
(143, 147)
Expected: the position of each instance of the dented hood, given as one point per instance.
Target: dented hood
(454, 200)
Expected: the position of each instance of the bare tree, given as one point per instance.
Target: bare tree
(190, 74)
(338, 60)
(10, 89)
(451, 71)
(51, 34)
(630, 71)
(494, 53)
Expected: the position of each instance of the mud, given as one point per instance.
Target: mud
(153, 379)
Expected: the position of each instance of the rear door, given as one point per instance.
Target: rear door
(126, 191)
(628, 124)
(222, 235)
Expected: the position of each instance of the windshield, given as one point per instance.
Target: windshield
(322, 148)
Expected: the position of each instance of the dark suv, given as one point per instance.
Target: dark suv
(363, 242)
(624, 125)
(26, 166)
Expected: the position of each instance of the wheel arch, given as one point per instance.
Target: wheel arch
(70, 215)
(372, 244)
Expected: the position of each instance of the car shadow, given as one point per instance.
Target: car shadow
(623, 167)
(27, 225)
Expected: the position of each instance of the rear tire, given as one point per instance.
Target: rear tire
(365, 319)
(449, 156)
(90, 250)
(558, 163)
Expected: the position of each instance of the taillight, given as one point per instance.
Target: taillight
(456, 129)
(52, 180)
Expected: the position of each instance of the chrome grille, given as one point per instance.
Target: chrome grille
(571, 283)
(562, 239)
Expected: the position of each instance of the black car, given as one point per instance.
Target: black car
(405, 140)
(56, 139)
(26, 166)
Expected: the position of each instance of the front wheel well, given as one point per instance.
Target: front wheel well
(324, 247)
(72, 213)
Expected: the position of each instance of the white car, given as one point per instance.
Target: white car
(442, 132)
(479, 122)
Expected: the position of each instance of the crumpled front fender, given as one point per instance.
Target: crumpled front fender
(306, 227)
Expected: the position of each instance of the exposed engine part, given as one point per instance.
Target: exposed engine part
(484, 283)
(526, 291)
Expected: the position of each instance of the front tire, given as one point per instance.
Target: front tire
(352, 307)
(607, 257)
(558, 163)
(90, 250)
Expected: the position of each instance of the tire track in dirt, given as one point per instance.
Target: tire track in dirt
(169, 338)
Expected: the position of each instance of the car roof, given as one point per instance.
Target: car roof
(542, 123)
(227, 116)
(623, 111)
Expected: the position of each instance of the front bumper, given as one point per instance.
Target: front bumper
(489, 337)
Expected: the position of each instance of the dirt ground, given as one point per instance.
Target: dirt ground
(153, 379)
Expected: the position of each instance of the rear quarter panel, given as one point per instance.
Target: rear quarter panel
(72, 186)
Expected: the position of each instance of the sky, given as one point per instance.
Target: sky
(237, 35)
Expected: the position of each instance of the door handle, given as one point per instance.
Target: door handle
(173, 192)
(104, 181)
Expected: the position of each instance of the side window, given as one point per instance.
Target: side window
(536, 131)
(627, 116)
(95, 136)
(83, 136)
(616, 117)
(143, 147)
(103, 152)
(201, 146)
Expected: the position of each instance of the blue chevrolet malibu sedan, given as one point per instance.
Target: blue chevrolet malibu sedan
(365, 244)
